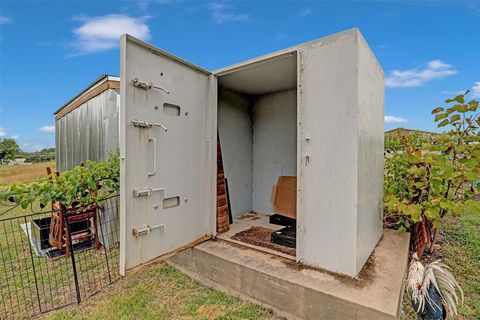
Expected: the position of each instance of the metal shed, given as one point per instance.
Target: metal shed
(87, 126)
(314, 110)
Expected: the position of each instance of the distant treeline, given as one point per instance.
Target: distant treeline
(9, 151)
(43, 155)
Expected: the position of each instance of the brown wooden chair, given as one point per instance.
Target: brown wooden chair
(58, 236)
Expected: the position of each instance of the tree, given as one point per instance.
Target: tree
(426, 181)
(8, 150)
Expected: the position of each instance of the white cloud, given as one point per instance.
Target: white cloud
(446, 92)
(3, 133)
(103, 33)
(476, 90)
(16, 136)
(305, 12)
(48, 129)
(220, 14)
(144, 4)
(394, 119)
(35, 146)
(5, 20)
(435, 69)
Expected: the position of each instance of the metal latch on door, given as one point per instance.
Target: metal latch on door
(147, 85)
(146, 229)
(148, 192)
(147, 124)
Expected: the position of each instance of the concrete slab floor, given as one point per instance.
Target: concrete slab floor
(301, 292)
(247, 221)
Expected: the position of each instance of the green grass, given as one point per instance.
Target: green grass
(161, 292)
(24, 172)
(54, 277)
(460, 249)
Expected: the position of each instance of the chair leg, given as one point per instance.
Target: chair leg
(67, 244)
(95, 231)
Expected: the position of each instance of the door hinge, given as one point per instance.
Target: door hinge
(146, 229)
(147, 124)
(147, 85)
(147, 192)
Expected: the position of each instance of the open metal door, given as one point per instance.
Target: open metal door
(164, 151)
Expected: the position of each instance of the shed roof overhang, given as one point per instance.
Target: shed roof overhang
(103, 83)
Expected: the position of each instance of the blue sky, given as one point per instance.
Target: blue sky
(49, 51)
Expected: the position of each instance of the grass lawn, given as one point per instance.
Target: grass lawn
(23, 172)
(156, 292)
(460, 249)
(161, 292)
(22, 272)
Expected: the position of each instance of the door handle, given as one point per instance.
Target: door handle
(154, 156)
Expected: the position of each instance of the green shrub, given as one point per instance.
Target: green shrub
(426, 179)
(71, 188)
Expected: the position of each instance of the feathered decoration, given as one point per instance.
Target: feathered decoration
(433, 288)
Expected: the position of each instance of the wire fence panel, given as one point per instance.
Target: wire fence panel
(45, 265)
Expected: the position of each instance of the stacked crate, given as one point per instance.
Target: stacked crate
(222, 202)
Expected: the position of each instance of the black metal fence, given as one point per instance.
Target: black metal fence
(38, 275)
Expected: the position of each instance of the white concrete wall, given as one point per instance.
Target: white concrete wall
(259, 144)
(274, 144)
(235, 129)
(370, 152)
(327, 204)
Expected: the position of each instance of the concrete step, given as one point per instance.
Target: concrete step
(296, 291)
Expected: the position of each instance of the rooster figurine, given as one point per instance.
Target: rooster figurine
(433, 289)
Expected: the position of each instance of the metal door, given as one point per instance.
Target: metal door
(164, 151)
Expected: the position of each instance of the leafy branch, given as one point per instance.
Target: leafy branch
(430, 177)
(81, 185)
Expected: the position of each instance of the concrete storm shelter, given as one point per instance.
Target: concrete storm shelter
(314, 111)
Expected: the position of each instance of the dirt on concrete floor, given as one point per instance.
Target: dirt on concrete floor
(262, 237)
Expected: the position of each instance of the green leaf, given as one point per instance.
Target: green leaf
(472, 176)
(432, 213)
(415, 212)
(437, 110)
(472, 206)
(443, 123)
(440, 116)
(454, 118)
(450, 110)
(436, 185)
(473, 105)
(459, 98)
(463, 108)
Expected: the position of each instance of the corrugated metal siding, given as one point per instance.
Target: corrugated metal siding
(89, 131)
